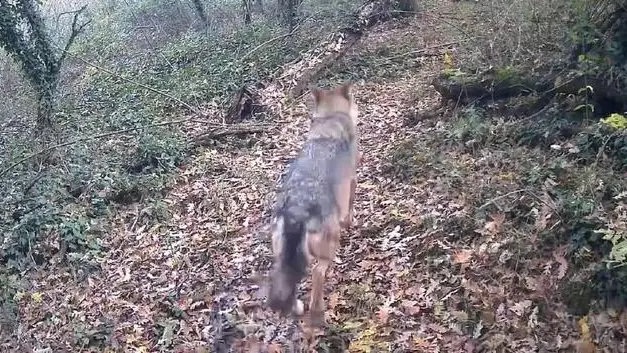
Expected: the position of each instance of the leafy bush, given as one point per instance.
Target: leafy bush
(605, 138)
(157, 152)
(615, 231)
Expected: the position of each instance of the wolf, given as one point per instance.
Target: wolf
(315, 202)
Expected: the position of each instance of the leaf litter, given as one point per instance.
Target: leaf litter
(407, 279)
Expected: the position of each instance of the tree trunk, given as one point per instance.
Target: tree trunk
(288, 12)
(200, 11)
(45, 107)
(247, 8)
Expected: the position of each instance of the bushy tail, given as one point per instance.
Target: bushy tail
(291, 266)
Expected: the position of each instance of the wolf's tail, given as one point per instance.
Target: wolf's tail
(291, 266)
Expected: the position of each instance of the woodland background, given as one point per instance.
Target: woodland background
(141, 142)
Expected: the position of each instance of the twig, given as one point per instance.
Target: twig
(152, 47)
(423, 50)
(268, 42)
(75, 31)
(32, 183)
(437, 17)
(527, 191)
(87, 138)
(545, 203)
(534, 115)
(602, 149)
(502, 197)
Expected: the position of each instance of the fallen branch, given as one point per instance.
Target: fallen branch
(502, 197)
(299, 74)
(495, 83)
(88, 138)
(424, 50)
(229, 130)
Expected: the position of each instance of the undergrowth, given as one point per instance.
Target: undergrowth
(563, 162)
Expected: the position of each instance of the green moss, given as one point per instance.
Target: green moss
(617, 121)
(506, 74)
(450, 73)
(459, 77)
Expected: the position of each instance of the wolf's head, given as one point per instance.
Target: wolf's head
(337, 100)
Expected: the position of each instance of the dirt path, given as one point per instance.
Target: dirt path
(412, 277)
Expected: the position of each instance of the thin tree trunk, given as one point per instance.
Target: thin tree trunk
(288, 12)
(247, 8)
(200, 11)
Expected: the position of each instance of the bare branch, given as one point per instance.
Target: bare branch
(75, 32)
(179, 101)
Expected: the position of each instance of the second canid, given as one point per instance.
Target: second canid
(315, 202)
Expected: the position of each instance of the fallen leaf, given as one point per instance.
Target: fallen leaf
(469, 346)
(558, 255)
(37, 297)
(494, 226)
(383, 314)
(411, 307)
(334, 298)
(585, 329)
(586, 347)
(462, 257)
(521, 307)
(350, 325)
(274, 348)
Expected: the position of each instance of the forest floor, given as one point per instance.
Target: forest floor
(432, 266)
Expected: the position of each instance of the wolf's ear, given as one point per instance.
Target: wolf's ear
(345, 90)
(316, 93)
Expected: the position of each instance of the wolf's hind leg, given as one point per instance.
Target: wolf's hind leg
(343, 194)
(323, 247)
(350, 218)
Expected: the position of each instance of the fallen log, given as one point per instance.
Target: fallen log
(505, 84)
(465, 87)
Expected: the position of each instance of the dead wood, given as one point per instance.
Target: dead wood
(250, 100)
(245, 104)
(494, 84)
(228, 130)
(535, 92)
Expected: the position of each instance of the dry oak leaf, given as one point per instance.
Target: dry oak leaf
(558, 255)
(383, 314)
(521, 307)
(411, 307)
(494, 226)
(334, 299)
(462, 256)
